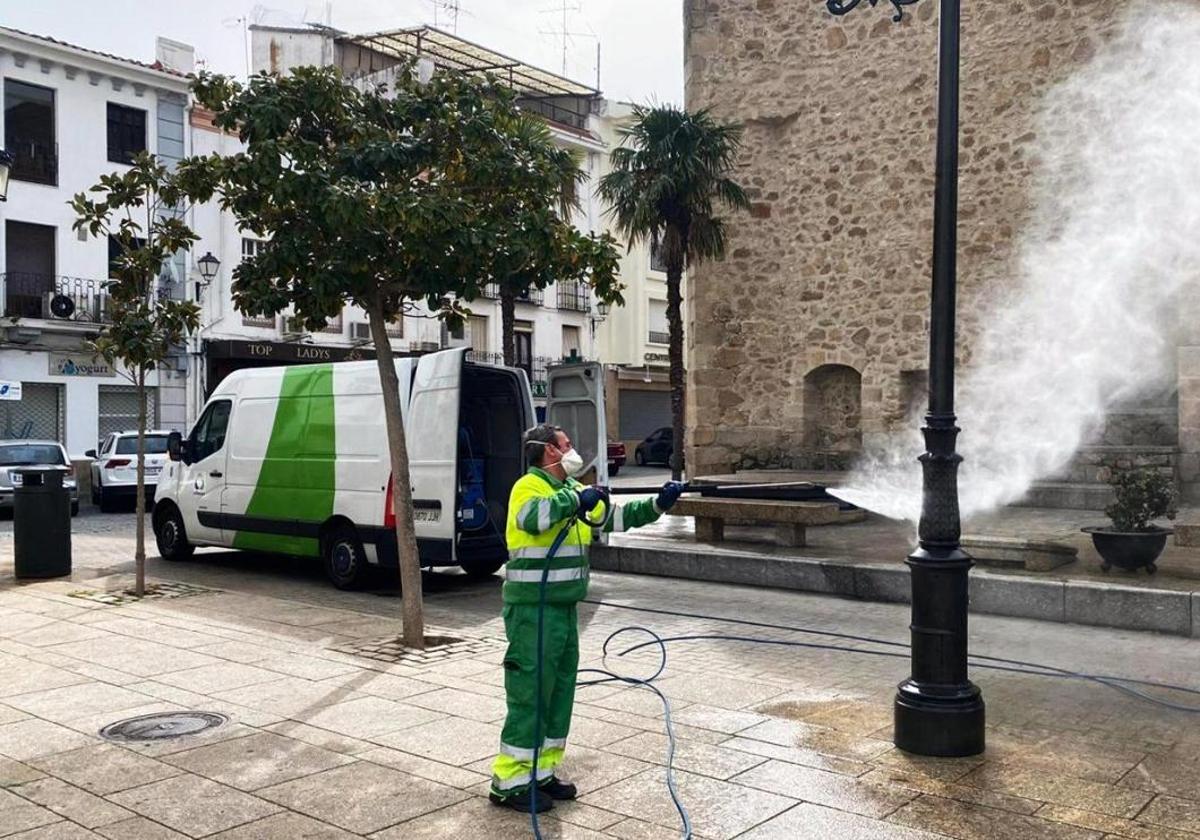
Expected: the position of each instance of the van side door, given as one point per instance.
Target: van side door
(204, 475)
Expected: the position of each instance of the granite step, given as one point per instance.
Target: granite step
(1045, 598)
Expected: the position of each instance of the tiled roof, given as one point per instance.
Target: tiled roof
(145, 65)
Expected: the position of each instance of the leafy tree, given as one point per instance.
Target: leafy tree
(140, 210)
(380, 197)
(540, 244)
(672, 171)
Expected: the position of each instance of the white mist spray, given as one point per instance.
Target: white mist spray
(1113, 241)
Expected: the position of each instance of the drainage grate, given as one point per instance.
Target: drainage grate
(162, 727)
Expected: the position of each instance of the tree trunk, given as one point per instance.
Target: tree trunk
(402, 506)
(675, 355)
(139, 552)
(508, 322)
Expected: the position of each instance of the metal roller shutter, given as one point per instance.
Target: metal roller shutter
(119, 409)
(642, 412)
(38, 415)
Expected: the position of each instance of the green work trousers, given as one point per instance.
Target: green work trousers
(512, 771)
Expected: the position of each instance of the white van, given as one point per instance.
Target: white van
(294, 460)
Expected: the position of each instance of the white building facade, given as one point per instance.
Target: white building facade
(71, 115)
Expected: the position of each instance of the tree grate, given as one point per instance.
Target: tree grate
(438, 648)
(154, 591)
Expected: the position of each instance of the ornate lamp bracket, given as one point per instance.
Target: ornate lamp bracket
(842, 7)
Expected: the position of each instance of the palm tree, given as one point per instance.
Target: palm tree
(669, 174)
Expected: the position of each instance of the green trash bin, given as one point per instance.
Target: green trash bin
(41, 524)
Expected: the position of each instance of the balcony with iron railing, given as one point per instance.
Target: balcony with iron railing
(532, 296)
(55, 298)
(33, 161)
(573, 296)
(484, 357)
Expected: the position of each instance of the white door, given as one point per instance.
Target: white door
(431, 428)
(204, 476)
(575, 401)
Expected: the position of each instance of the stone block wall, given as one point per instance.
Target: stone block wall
(831, 264)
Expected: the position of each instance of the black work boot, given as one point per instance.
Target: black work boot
(523, 801)
(556, 789)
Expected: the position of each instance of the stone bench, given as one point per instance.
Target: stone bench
(789, 518)
(1034, 555)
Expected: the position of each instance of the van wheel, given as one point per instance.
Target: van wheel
(104, 502)
(171, 536)
(481, 569)
(640, 458)
(345, 560)
(74, 508)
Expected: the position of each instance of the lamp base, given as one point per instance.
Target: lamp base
(940, 723)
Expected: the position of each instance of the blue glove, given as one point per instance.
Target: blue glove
(668, 495)
(589, 497)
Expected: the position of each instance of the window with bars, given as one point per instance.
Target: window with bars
(126, 133)
(573, 296)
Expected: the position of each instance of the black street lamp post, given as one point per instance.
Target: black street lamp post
(938, 710)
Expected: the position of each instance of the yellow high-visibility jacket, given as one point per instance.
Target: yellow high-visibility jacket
(539, 508)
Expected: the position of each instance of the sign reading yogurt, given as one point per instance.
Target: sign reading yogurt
(72, 364)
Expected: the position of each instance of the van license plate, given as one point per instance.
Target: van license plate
(427, 515)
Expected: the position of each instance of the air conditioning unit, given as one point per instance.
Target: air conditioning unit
(360, 331)
(293, 326)
(430, 346)
(59, 307)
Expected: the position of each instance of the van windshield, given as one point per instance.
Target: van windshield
(155, 445)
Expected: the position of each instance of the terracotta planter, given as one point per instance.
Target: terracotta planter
(1129, 550)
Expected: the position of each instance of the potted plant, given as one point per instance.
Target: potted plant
(1133, 542)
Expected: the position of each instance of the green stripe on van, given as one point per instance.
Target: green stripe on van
(296, 482)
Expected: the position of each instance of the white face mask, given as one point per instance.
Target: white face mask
(572, 462)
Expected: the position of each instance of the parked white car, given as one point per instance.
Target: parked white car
(15, 454)
(114, 467)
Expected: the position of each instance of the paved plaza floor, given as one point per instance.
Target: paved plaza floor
(332, 735)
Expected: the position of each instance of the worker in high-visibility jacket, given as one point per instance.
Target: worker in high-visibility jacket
(544, 501)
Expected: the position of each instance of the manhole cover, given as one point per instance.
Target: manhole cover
(162, 727)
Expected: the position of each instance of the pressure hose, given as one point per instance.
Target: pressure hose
(896, 650)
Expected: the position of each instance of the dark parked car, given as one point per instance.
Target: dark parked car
(656, 448)
(616, 457)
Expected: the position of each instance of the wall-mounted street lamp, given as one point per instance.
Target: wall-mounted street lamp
(209, 266)
(938, 710)
(6, 162)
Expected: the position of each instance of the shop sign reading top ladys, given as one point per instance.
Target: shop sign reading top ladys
(71, 364)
